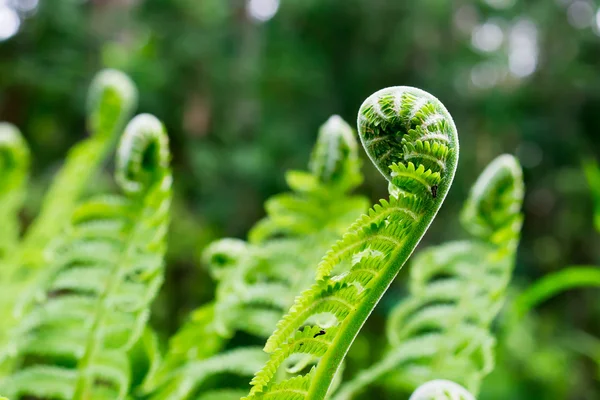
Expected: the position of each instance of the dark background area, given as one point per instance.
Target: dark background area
(242, 95)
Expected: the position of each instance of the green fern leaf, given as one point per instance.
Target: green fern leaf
(183, 382)
(394, 125)
(14, 169)
(104, 272)
(111, 99)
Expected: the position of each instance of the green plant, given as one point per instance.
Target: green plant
(258, 280)
(412, 140)
(112, 98)
(592, 173)
(442, 329)
(101, 276)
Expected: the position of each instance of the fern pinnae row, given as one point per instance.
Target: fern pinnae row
(384, 122)
(105, 270)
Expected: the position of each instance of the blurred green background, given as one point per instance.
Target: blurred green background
(242, 86)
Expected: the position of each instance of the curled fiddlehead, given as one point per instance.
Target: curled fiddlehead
(412, 140)
(14, 169)
(111, 100)
(305, 222)
(103, 274)
(257, 280)
(441, 389)
(334, 160)
(443, 328)
(320, 203)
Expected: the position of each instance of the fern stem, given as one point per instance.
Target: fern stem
(350, 328)
(553, 284)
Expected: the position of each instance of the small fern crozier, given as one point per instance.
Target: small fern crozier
(412, 140)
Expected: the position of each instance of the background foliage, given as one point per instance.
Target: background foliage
(242, 100)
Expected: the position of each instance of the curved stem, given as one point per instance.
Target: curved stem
(553, 284)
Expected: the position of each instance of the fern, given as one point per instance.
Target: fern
(257, 280)
(592, 173)
(111, 99)
(263, 279)
(412, 140)
(14, 168)
(456, 290)
(441, 389)
(103, 274)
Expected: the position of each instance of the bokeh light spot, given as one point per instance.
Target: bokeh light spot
(487, 37)
(580, 14)
(262, 10)
(9, 22)
(523, 48)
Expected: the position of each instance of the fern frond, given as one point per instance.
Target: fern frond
(592, 173)
(441, 389)
(393, 126)
(456, 290)
(111, 99)
(259, 279)
(319, 201)
(334, 160)
(14, 170)
(196, 340)
(183, 382)
(104, 272)
(495, 200)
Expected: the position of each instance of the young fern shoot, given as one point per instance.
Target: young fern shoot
(103, 273)
(111, 99)
(411, 138)
(442, 330)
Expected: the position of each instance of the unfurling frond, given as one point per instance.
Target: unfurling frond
(442, 330)
(14, 169)
(258, 280)
(103, 274)
(412, 140)
(111, 99)
(334, 160)
(441, 389)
